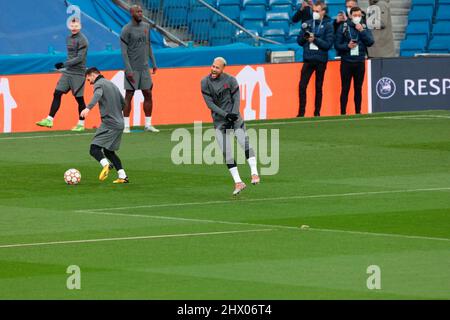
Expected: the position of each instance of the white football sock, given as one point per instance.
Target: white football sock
(122, 174)
(104, 162)
(127, 121)
(81, 123)
(235, 174)
(50, 118)
(148, 121)
(252, 163)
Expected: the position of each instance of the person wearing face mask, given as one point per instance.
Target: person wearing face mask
(381, 30)
(305, 12)
(316, 38)
(352, 40)
(343, 16)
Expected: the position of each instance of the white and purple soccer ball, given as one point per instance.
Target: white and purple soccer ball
(72, 176)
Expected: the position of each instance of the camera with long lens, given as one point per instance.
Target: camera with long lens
(307, 35)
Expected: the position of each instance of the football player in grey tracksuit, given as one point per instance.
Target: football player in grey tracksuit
(109, 135)
(72, 77)
(221, 94)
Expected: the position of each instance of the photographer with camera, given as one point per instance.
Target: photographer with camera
(352, 40)
(316, 38)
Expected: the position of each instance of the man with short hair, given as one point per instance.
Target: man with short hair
(108, 137)
(72, 77)
(221, 94)
(316, 38)
(352, 40)
(136, 49)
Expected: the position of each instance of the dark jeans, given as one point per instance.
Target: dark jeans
(307, 71)
(356, 71)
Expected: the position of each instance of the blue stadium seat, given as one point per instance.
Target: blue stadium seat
(222, 34)
(281, 5)
(231, 11)
(418, 27)
(243, 37)
(420, 3)
(421, 13)
(442, 38)
(294, 31)
(278, 19)
(277, 24)
(257, 3)
(274, 34)
(200, 14)
(195, 3)
(443, 13)
(221, 3)
(443, 2)
(441, 28)
(176, 4)
(419, 37)
(254, 25)
(333, 9)
(253, 13)
(332, 54)
(410, 47)
(177, 16)
(200, 30)
(439, 45)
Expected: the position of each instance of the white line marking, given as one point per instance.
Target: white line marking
(131, 238)
(351, 194)
(390, 235)
(405, 117)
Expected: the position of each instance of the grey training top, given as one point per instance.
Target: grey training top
(110, 101)
(77, 47)
(221, 96)
(136, 46)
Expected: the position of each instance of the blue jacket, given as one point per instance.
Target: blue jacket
(323, 39)
(342, 39)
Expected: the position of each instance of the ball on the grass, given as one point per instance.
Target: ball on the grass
(72, 176)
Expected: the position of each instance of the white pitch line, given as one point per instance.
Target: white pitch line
(405, 117)
(34, 244)
(299, 197)
(389, 235)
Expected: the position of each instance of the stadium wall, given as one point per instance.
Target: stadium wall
(408, 84)
(268, 91)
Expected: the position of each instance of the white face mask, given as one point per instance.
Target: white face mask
(356, 20)
(316, 16)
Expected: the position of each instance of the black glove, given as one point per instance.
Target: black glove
(231, 117)
(59, 65)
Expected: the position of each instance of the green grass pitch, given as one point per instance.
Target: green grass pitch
(375, 190)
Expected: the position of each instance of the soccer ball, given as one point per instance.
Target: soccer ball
(72, 176)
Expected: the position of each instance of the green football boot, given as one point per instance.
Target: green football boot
(78, 128)
(45, 123)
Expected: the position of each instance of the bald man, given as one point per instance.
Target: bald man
(221, 93)
(136, 49)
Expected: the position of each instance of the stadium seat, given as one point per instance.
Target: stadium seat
(278, 20)
(243, 37)
(233, 12)
(418, 27)
(177, 16)
(274, 34)
(176, 4)
(221, 3)
(281, 5)
(443, 13)
(410, 47)
(200, 30)
(195, 3)
(441, 28)
(222, 34)
(421, 3)
(294, 31)
(254, 3)
(254, 25)
(200, 14)
(442, 38)
(419, 37)
(421, 13)
(333, 9)
(438, 45)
